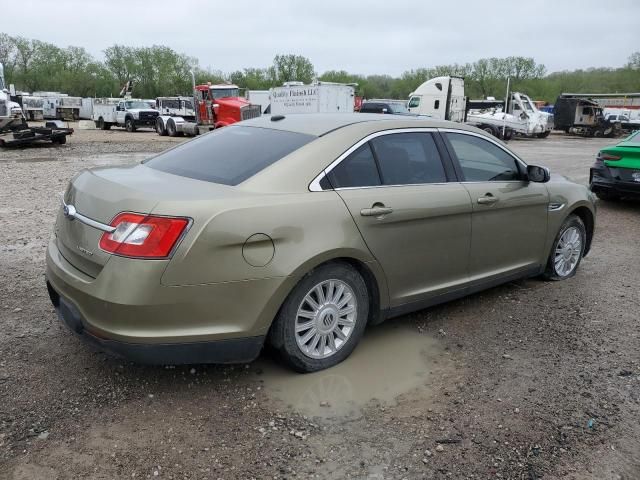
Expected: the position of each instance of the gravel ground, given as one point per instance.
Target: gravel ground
(524, 381)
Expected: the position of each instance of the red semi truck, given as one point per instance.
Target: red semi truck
(215, 106)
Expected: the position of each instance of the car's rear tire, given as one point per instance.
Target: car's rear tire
(322, 319)
(568, 250)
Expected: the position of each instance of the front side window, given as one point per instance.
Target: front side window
(481, 160)
(414, 102)
(408, 159)
(357, 170)
(229, 155)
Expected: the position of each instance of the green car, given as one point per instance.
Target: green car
(616, 172)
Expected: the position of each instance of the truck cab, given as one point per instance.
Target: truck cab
(441, 97)
(133, 114)
(222, 105)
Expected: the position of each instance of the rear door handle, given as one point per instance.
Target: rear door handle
(375, 211)
(488, 199)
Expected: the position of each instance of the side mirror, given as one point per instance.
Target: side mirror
(117, 108)
(538, 174)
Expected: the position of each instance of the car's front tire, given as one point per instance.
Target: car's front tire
(323, 319)
(568, 250)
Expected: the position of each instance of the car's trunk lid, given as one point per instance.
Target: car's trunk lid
(101, 194)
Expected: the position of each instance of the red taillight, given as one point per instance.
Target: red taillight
(608, 157)
(143, 236)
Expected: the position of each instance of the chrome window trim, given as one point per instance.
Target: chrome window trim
(314, 186)
(491, 140)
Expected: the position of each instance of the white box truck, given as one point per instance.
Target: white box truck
(319, 97)
(259, 97)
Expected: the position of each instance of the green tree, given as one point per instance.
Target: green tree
(287, 68)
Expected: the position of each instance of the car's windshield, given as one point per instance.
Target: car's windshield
(229, 155)
(133, 104)
(399, 107)
(225, 92)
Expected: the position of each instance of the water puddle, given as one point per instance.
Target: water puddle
(392, 359)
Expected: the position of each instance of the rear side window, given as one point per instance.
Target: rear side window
(408, 159)
(481, 160)
(229, 155)
(357, 170)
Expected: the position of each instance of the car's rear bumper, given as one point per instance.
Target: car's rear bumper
(603, 178)
(127, 311)
(235, 350)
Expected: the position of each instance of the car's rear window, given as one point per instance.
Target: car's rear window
(229, 155)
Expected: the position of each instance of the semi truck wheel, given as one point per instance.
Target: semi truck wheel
(171, 128)
(160, 128)
(544, 134)
(100, 124)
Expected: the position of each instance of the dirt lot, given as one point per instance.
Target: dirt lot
(525, 381)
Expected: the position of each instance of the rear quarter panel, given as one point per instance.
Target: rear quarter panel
(305, 229)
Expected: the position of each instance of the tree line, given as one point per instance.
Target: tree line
(34, 65)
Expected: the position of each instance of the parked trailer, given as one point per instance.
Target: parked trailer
(86, 108)
(32, 107)
(51, 100)
(319, 97)
(14, 130)
(69, 108)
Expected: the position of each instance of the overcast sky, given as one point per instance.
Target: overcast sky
(374, 36)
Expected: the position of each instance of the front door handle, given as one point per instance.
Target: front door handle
(488, 199)
(376, 211)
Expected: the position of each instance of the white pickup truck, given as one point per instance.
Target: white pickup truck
(128, 113)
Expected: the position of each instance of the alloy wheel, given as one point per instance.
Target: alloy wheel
(326, 318)
(568, 251)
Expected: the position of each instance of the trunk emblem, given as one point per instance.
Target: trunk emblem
(85, 251)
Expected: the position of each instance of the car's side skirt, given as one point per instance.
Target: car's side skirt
(463, 292)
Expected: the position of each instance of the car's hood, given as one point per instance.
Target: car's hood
(232, 102)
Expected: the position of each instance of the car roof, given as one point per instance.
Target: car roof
(319, 124)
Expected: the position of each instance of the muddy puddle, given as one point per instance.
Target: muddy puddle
(391, 360)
